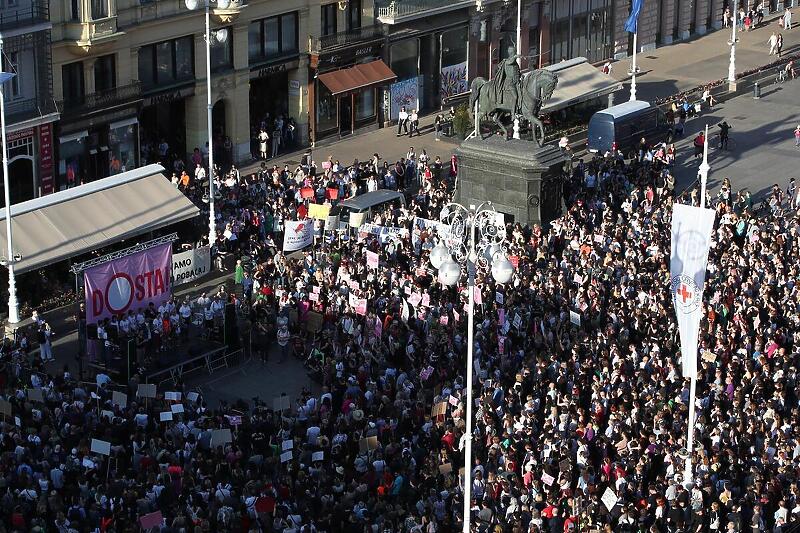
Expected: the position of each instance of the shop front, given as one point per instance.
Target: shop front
(431, 61)
(30, 162)
(270, 87)
(163, 124)
(97, 147)
(345, 90)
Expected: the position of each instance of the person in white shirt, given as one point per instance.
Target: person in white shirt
(402, 122)
(414, 119)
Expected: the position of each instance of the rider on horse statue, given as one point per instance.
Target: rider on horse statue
(506, 83)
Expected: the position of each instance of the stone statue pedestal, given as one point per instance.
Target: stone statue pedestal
(520, 178)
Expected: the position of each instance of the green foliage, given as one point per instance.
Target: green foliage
(462, 123)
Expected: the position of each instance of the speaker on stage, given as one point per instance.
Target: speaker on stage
(91, 332)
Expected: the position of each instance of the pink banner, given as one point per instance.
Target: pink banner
(130, 282)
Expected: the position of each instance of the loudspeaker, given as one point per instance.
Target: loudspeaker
(91, 332)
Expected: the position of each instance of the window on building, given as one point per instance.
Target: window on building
(273, 37)
(222, 52)
(581, 28)
(99, 9)
(167, 63)
(329, 15)
(72, 82)
(11, 64)
(403, 57)
(105, 73)
(353, 15)
(75, 10)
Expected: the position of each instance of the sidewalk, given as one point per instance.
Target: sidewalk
(688, 64)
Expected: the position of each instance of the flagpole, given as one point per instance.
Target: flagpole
(633, 67)
(704, 168)
(687, 476)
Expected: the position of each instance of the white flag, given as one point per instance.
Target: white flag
(298, 234)
(691, 239)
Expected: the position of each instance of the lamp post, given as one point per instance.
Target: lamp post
(519, 59)
(474, 237)
(732, 65)
(634, 68)
(220, 36)
(13, 303)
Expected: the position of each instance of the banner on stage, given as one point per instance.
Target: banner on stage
(129, 282)
(691, 240)
(191, 265)
(298, 235)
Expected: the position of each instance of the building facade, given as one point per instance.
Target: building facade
(29, 106)
(130, 77)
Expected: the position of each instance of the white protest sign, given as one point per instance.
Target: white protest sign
(547, 479)
(609, 499)
(287, 445)
(286, 456)
(165, 416)
(119, 398)
(575, 318)
(297, 235)
(191, 265)
(101, 446)
(317, 456)
(177, 408)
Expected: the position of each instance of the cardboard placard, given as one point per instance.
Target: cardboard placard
(146, 390)
(708, 356)
(287, 445)
(518, 321)
(221, 437)
(439, 409)
(280, 403)
(499, 298)
(165, 416)
(367, 444)
(445, 468)
(317, 456)
(453, 401)
(575, 318)
(547, 479)
(119, 398)
(177, 408)
(35, 395)
(151, 520)
(286, 456)
(192, 396)
(372, 260)
(102, 447)
(172, 396)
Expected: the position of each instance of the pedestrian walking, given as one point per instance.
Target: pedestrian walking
(787, 19)
(780, 44)
(437, 125)
(773, 43)
(45, 345)
(797, 135)
(402, 121)
(726, 18)
(263, 139)
(414, 119)
(277, 137)
(740, 20)
(699, 143)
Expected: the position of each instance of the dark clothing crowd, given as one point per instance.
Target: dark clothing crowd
(580, 417)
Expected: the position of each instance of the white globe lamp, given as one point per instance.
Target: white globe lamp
(439, 255)
(449, 273)
(502, 269)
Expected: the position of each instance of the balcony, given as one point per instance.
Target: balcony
(399, 11)
(22, 110)
(344, 39)
(102, 100)
(15, 19)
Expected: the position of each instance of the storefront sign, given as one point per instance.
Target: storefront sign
(190, 266)
(269, 70)
(46, 178)
(349, 56)
(131, 282)
(21, 134)
(169, 97)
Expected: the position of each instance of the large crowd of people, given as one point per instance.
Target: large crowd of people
(580, 409)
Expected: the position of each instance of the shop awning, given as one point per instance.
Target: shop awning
(53, 228)
(357, 77)
(578, 81)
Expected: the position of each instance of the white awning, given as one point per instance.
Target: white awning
(578, 81)
(58, 226)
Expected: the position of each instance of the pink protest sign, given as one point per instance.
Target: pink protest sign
(361, 306)
(478, 296)
(443, 320)
(372, 259)
(128, 283)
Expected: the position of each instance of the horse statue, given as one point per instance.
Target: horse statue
(509, 93)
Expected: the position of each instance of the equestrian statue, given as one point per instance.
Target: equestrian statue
(510, 93)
